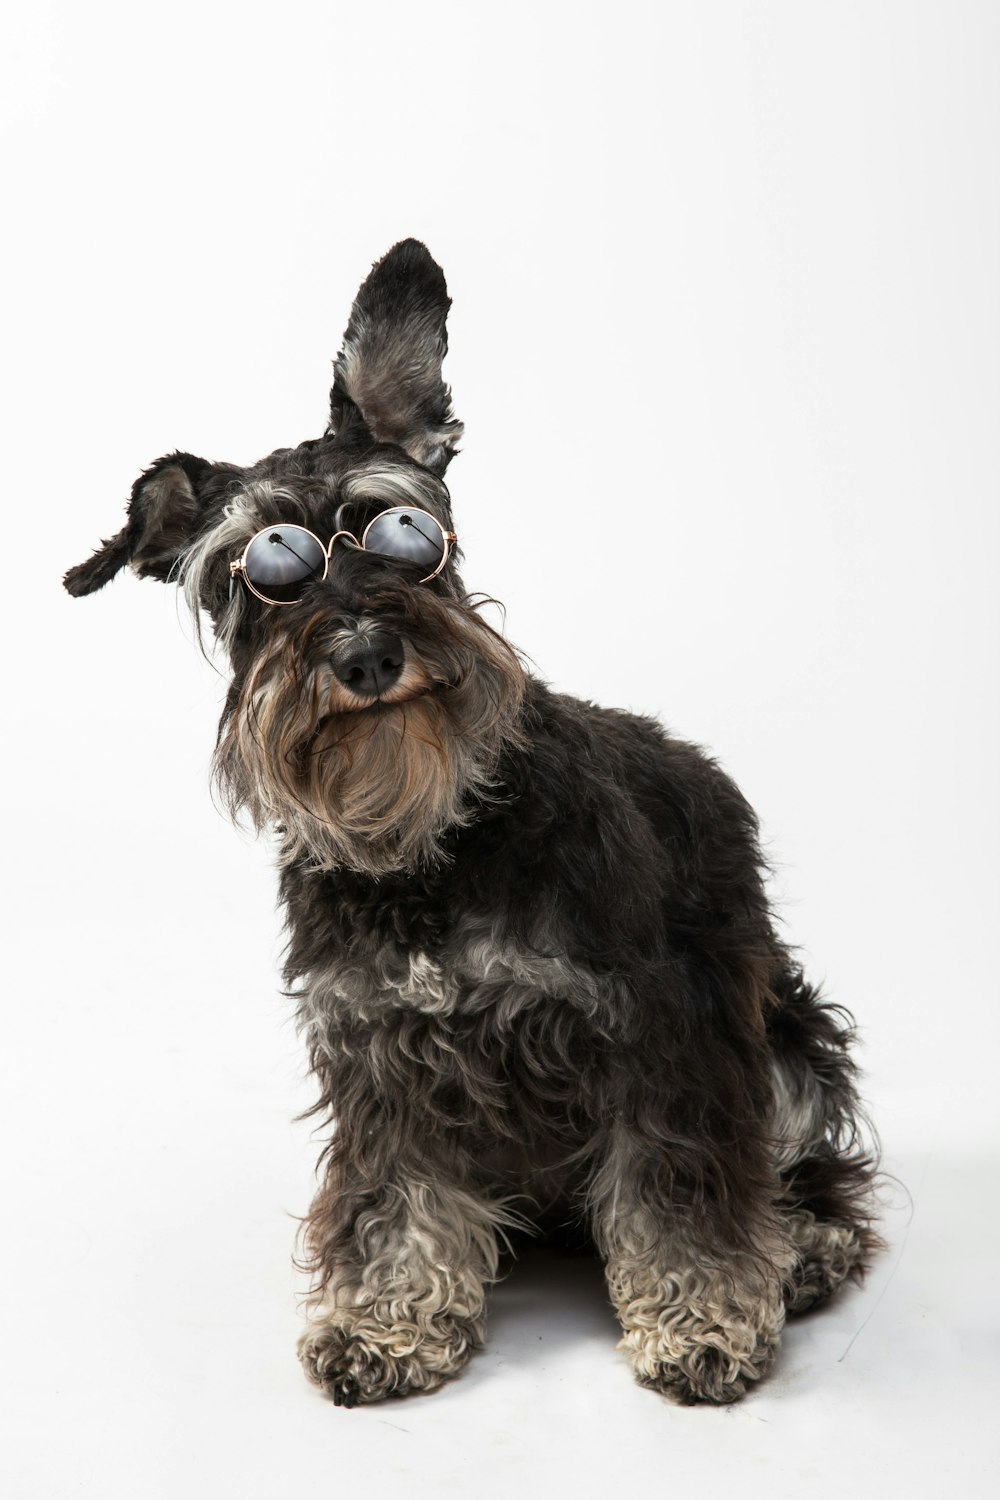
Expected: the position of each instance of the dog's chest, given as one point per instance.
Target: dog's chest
(485, 1032)
(475, 974)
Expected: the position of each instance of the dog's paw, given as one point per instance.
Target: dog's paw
(829, 1254)
(708, 1374)
(716, 1365)
(345, 1366)
(357, 1360)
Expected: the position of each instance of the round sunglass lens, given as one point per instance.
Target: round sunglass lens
(411, 535)
(280, 562)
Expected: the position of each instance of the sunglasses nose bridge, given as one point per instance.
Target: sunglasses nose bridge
(346, 536)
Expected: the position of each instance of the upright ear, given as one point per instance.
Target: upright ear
(164, 510)
(389, 369)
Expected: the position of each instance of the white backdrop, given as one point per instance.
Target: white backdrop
(725, 340)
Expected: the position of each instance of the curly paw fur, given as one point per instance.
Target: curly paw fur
(828, 1254)
(695, 1332)
(713, 1363)
(357, 1360)
(709, 1373)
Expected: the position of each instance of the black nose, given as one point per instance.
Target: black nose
(369, 665)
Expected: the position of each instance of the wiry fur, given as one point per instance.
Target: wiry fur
(376, 789)
(529, 939)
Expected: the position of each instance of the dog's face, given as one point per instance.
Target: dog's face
(369, 701)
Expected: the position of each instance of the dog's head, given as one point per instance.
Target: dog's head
(370, 700)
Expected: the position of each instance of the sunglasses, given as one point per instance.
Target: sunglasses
(280, 561)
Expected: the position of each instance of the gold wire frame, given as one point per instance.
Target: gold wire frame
(237, 568)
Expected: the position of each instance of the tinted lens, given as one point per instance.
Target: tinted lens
(282, 560)
(411, 535)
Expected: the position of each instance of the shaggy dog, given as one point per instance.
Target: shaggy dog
(530, 940)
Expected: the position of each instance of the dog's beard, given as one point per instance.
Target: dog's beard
(371, 786)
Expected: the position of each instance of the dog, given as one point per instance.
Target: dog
(529, 938)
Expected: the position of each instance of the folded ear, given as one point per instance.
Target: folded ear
(163, 513)
(389, 369)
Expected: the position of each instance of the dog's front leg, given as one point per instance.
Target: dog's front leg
(404, 1268)
(701, 1319)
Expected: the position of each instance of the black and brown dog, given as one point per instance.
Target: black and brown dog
(529, 937)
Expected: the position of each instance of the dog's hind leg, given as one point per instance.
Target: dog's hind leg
(827, 1166)
(828, 1253)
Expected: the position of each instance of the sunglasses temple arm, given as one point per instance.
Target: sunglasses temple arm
(410, 522)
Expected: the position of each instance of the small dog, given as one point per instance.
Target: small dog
(530, 941)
